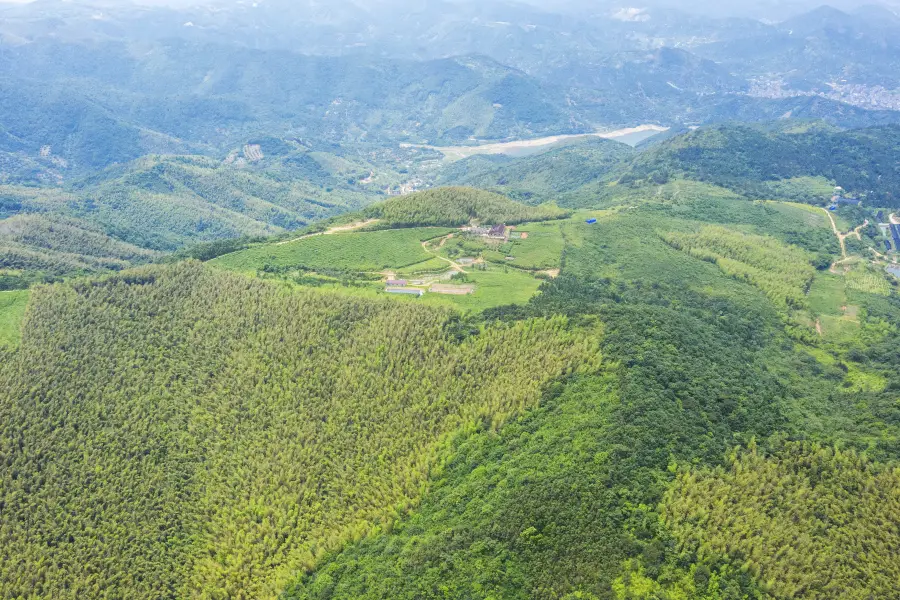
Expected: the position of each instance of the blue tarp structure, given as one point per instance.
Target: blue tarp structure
(591, 221)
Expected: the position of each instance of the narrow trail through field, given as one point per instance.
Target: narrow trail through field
(331, 231)
(842, 237)
(834, 267)
(837, 232)
(427, 247)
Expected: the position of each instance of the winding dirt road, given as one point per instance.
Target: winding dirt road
(843, 236)
(427, 247)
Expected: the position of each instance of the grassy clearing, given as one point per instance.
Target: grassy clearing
(12, 310)
(839, 330)
(859, 380)
(829, 304)
(542, 249)
(602, 194)
(495, 287)
(827, 295)
(366, 251)
(463, 246)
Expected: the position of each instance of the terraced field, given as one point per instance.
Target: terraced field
(361, 251)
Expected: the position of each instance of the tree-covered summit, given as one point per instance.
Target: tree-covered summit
(456, 206)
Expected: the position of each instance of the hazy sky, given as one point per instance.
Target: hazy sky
(756, 8)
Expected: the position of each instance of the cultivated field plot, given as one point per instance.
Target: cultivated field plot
(12, 309)
(806, 214)
(495, 287)
(541, 249)
(366, 251)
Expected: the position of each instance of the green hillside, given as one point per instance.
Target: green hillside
(165, 202)
(752, 160)
(847, 500)
(58, 245)
(449, 300)
(792, 160)
(456, 206)
(543, 177)
(568, 501)
(326, 412)
(240, 436)
(129, 213)
(358, 256)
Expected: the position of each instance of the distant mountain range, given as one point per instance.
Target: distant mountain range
(87, 85)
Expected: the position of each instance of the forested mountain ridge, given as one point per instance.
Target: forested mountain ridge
(543, 177)
(778, 159)
(94, 89)
(746, 158)
(273, 185)
(706, 354)
(209, 97)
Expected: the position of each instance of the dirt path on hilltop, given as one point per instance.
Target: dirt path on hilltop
(837, 233)
(843, 236)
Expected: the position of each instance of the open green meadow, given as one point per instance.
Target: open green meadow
(497, 286)
(542, 249)
(12, 310)
(827, 294)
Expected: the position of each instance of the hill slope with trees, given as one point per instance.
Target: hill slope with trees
(325, 412)
(456, 206)
(747, 159)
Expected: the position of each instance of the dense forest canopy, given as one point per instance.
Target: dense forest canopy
(449, 300)
(745, 158)
(324, 411)
(455, 206)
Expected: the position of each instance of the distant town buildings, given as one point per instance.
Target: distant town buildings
(864, 96)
